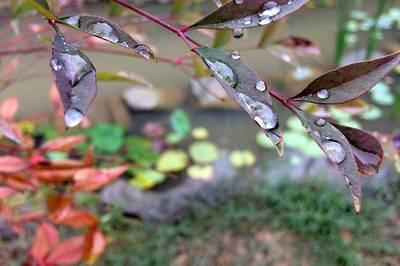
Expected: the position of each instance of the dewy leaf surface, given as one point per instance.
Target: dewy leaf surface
(75, 78)
(367, 150)
(245, 87)
(337, 148)
(109, 31)
(248, 13)
(349, 82)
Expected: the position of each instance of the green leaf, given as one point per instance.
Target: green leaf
(140, 151)
(172, 161)
(222, 38)
(241, 159)
(180, 123)
(43, 8)
(122, 76)
(203, 152)
(200, 172)
(146, 178)
(106, 138)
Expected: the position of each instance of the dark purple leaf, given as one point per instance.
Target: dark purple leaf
(245, 87)
(367, 150)
(7, 131)
(348, 83)
(248, 13)
(75, 78)
(337, 148)
(109, 31)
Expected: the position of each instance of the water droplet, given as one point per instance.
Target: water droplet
(270, 9)
(73, 117)
(239, 2)
(104, 31)
(235, 55)
(261, 86)
(74, 99)
(76, 67)
(320, 122)
(238, 33)
(125, 44)
(247, 21)
(323, 94)
(144, 51)
(262, 114)
(55, 64)
(264, 21)
(72, 20)
(335, 150)
(224, 72)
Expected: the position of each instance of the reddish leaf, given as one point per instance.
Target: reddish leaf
(348, 83)
(57, 203)
(29, 217)
(55, 175)
(75, 78)
(10, 67)
(8, 108)
(67, 252)
(245, 87)
(337, 148)
(12, 164)
(21, 182)
(95, 245)
(74, 218)
(367, 150)
(46, 238)
(63, 143)
(8, 132)
(251, 13)
(93, 179)
(299, 45)
(6, 192)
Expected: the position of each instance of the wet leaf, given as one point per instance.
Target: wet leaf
(123, 76)
(203, 152)
(245, 87)
(348, 83)
(43, 8)
(8, 132)
(12, 164)
(75, 78)
(248, 14)
(367, 150)
(109, 31)
(337, 148)
(172, 161)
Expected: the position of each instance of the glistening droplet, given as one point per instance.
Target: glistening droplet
(55, 64)
(224, 72)
(323, 94)
(144, 51)
(270, 9)
(73, 117)
(334, 150)
(320, 122)
(261, 86)
(235, 55)
(238, 33)
(104, 31)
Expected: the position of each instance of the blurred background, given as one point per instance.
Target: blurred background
(228, 197)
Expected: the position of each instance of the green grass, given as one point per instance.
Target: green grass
(313, 222)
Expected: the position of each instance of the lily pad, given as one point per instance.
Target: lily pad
(203, 152)
(172, 161)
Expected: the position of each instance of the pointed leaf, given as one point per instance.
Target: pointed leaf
(245, 87)
(123, 76)
(12, 164)
(63, 143)
(67, 252)
(109, 31)
(75, 78)
(46, 237)
(9, 108)
(250, 13)
(367, 150)
(93, 179)
(43, 8)
(7, 131)
(95, 244)
(348, 83)
(337, 148)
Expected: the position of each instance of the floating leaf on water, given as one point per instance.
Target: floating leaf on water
(180, 123)
(367, 150)
(172, 161)
(241, 159)
(245, 87)
(109, 31)
(75, 78)
(199, 172)
(247, 14)
(200, 133)
(349, 82)
(145, 178)
(337, 148)
(203, 152)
